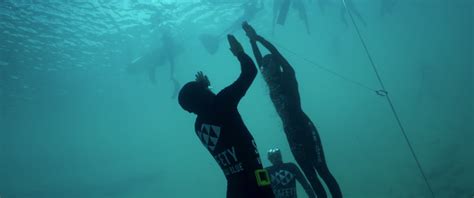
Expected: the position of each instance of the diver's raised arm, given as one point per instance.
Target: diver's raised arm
(256, 53)
(253, 41)
(234, 92)
(270, 47)
(283, 62)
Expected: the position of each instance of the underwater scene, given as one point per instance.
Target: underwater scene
(236, 98)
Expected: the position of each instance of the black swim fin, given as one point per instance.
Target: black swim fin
(210, 42)
(285, 6)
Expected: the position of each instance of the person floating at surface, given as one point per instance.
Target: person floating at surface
(281, 8)
(351, 8)
(158, 57)
(223, 132)
(300, 131)
(171, 49)
(251, 8)
(284, 176)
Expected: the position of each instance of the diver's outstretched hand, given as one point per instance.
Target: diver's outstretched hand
(202, 79)
(251, 33)
(235, 47)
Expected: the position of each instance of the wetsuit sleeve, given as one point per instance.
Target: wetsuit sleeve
(232, 94)
(302, 180)
(287, 69)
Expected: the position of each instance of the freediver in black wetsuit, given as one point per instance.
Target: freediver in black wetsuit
(223, 132)
(284, 176)
(300, 131)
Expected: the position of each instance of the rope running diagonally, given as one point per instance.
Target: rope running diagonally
(327, 69)
(402, 129)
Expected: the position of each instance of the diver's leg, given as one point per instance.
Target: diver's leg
(323, 170)
(276, 9)
(285, 6)
(329, 180)
(303, 15)
(307, 166)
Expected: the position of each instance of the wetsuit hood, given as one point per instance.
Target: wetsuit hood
(195, 97)
(274, 155)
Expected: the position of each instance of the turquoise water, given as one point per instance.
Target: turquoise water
(75, 123)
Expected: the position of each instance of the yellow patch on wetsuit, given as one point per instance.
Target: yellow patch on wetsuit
(262, 177)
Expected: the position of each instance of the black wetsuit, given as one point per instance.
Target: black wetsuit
(300, 131)
(223, 132)
(284, 178)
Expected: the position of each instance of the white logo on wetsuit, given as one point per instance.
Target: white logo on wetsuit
(282, 177)
(209, 135)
